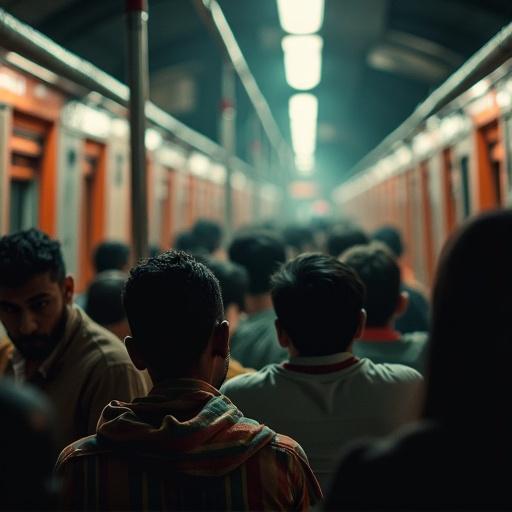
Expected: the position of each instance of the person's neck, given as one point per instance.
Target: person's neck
(257, 303)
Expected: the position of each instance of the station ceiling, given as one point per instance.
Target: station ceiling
(380, 59)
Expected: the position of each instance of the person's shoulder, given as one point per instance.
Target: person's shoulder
(84, 447)
(391, 373)
(253, 380)
(102, 346)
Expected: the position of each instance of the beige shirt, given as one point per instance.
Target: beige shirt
(87, 369)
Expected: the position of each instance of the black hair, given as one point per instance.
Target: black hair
(186, 241)
(298, 237)
(208, 234)
(111, 255)
(318, 301)
(377, 268)
(233, 280)
(260, 253)
(104, 302)
(471, 311)
(343, 237)
(27, 427)
(172, 303)
(26, 254)
(391, 237)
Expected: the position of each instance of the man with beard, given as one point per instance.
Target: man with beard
(58, 348)
(184, 446)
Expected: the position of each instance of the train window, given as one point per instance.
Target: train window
(464, 175)
(26, 146)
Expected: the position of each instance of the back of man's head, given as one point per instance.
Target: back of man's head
(233, 281)
(260, 253)
(111, 255)
(26, 254)
(318, 302)
(380, 273)
(299, 238)
(208, 234)
(173, 304)
(343, 237)
(391, 237)
(104, 302)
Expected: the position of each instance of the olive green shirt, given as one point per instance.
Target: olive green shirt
(88, 368)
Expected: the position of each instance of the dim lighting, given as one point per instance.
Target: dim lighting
(303, 111)
(303, 61)
(301, 16)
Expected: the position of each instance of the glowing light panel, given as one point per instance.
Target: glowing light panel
(301, 16)
(303, 112)
(303, 61)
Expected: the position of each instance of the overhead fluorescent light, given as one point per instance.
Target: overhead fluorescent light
(301, 16)
(303, 112)
(303, 61)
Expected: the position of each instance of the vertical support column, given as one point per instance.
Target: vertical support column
(5, 155)
(137, 19)
(228, 139)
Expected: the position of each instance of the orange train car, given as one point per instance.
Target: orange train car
(64, 168)
(457, 163)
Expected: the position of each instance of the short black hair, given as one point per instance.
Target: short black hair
(261, 254)
(104, 302)
(298, 236)
(380, 273)
(26, 254)
(172, 303)
(343, 237)
(318, 301)
(233, 280)
(187, 241)
(208, 234)
(391, 237)
(111, 255)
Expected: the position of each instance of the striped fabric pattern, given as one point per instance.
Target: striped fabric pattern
(216, 460)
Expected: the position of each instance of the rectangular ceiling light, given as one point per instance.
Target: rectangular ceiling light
(301, 16)
(303, 111)
(303, 61)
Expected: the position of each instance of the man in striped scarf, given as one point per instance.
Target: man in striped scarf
(185, 446)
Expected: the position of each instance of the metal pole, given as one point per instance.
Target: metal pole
(137, 19)
(228, 139)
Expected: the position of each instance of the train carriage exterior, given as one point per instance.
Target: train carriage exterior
(64, 167)
(458, 163)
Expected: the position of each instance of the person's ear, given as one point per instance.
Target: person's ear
(68, 288)
(220, 340)
(361, 324)
(134, 353)
(402, 304)
(282, 335)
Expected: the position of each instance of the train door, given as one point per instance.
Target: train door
(458, 168)
(92, 207)
(491, 166)
(449, 198)
(426, 190)
(31, 167)
(161, 207)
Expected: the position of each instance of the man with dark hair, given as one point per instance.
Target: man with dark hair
(208, 235)
(343, 237)
(104, 302)
(79, 365)
(323, 396)
(255, 343)
(380, 342)
(234, 282)
(111, 255)
(184, 446)
(415, 318)
(298, 239)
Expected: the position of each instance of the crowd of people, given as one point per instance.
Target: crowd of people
(285, 369)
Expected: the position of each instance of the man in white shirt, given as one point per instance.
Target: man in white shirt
(324, 396)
